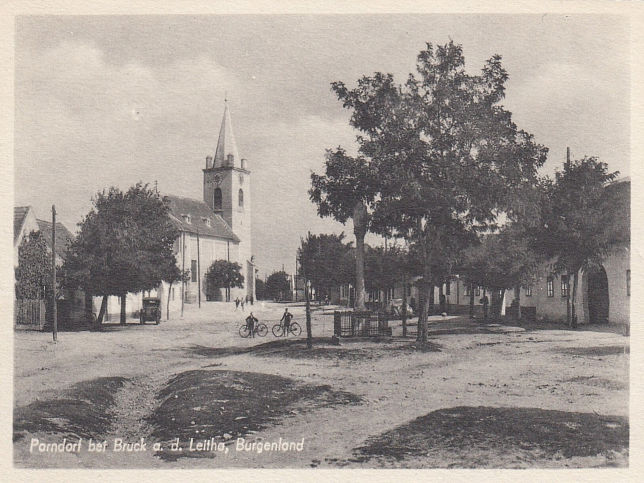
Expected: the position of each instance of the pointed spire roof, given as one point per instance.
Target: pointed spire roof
(226, 144)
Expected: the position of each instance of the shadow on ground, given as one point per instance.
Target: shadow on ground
(477, 437)
(597, 351)
(81, 411)
(323, 348)
(224, 405)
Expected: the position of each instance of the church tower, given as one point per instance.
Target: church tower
(226, 189)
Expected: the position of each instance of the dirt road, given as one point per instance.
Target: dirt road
(478, 396)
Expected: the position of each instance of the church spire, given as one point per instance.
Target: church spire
(226, 153)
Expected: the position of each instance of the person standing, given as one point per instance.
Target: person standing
(286, 321)
(251, 320)
(485, 302)
(236, 303)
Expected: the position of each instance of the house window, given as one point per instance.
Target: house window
(187, 218)
(448, 288)
(193, 270)
(241, 198)
(217, 199)
(550, 287)
(466, 290)
(477, 292)
(528, 291)
(628, 283)
(565, 286)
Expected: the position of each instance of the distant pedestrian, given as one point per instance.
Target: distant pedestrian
(485, 302)
(236, 303)
(442, 300)
(251, 300)
(241, 302)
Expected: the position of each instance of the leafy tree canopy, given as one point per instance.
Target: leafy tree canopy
(33, 273)
(326, 260)
(223, 274)
(278, 285)
(125, 244)
(581, 215)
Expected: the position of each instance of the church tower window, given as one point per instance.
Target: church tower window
(217, 199)
(241, 198)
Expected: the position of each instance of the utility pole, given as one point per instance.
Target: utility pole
(569, 316)
(183, 269)
(198, 270)
(53, 273)
(296, 278)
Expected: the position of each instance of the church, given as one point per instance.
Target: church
(216, 227)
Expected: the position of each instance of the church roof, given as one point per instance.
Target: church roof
(194, 216)
(226, 143)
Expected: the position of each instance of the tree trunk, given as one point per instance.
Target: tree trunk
(518, 299)
(123, 302)
(430, 298)
(167, 306)
(428, 288)
(421, 312)
(89, 311)
(404, 308)
(360, 230)
(471, 300)
(101, 312)
(574, 297)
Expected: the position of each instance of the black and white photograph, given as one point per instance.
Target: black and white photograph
(321, 241)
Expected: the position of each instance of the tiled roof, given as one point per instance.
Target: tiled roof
(63, 236)
(199, 212)
(19, 215)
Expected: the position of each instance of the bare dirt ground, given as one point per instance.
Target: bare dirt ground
(478, 396)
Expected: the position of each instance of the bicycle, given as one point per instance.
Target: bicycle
(260, 329)
(293, 328)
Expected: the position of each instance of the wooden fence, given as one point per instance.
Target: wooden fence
(29, 314)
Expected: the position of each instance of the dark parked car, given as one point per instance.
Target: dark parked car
(151, 310)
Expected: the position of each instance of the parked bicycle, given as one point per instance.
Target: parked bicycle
(259, 328)
(293, 328)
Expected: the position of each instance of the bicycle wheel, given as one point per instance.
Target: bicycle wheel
(243, 331)
(262, 330)
(278, 330)
(295, 329)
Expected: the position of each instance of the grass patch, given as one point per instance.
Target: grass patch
(472, 437)
(225, 405)
(83, 411)
(598, 382)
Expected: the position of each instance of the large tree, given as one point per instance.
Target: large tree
(345, 192)
(323, 260)
(502, 261)
(125, 244)
(447, 155)
(223, 274)
(278, 285)
(33, 273)
(581, 219)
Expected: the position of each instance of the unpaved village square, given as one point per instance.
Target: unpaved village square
(478, 396)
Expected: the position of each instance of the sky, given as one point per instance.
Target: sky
(106, 101)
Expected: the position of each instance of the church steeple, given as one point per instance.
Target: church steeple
(226, 153)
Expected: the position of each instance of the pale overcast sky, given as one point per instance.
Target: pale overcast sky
(104, 101)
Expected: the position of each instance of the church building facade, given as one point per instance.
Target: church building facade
(216, 227)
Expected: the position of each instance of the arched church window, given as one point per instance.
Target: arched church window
(241, 198)
(217, 199)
